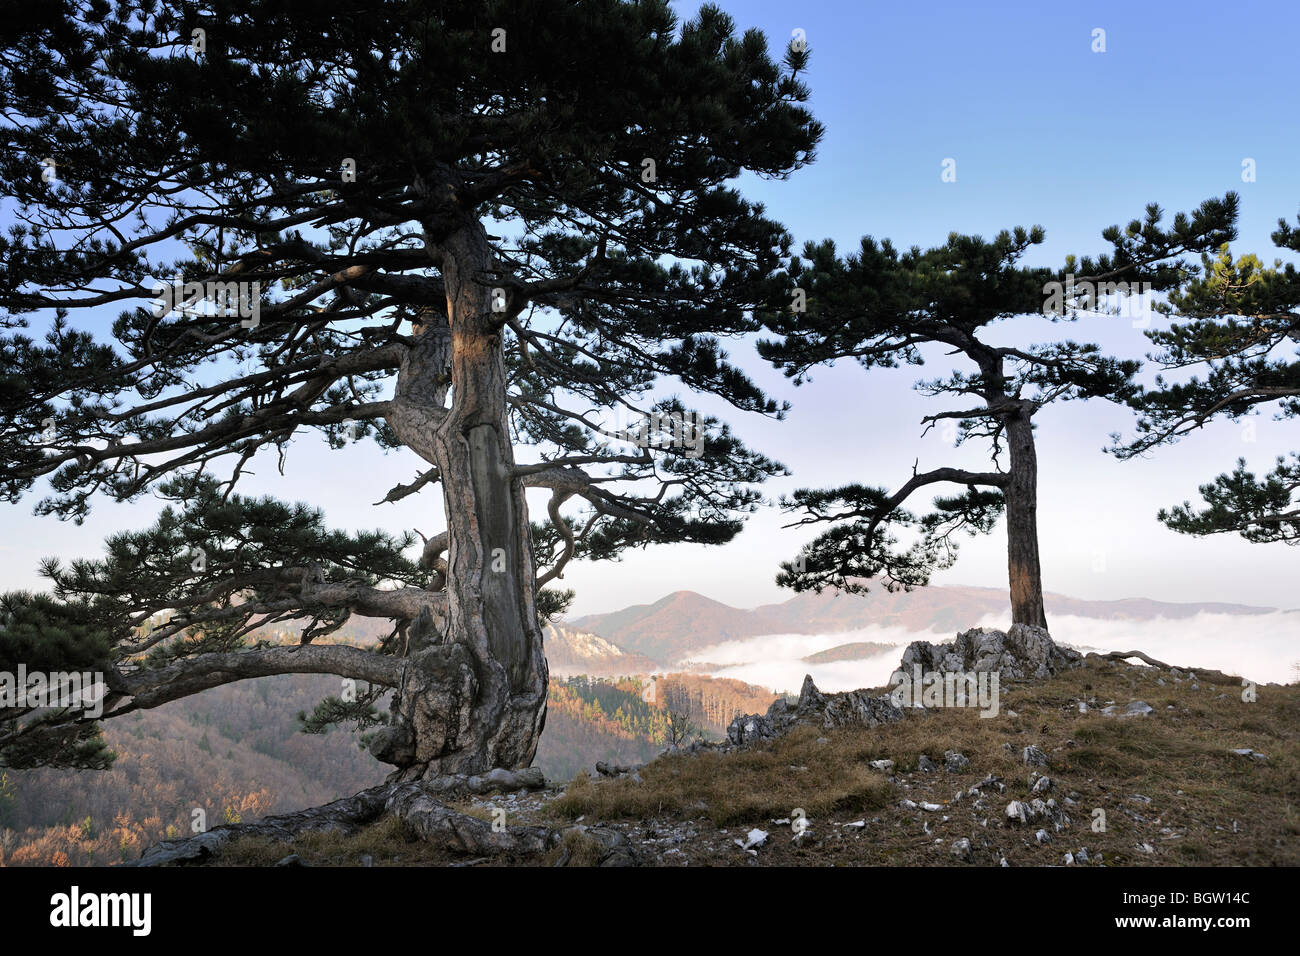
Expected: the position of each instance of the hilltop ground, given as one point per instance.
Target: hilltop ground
(1170, 787)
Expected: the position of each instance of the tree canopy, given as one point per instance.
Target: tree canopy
(880, 307)
(458, 228)
(1240, 322)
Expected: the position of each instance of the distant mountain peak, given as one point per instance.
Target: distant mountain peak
(682, 622)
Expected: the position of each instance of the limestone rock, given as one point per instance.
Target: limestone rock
(854, 708)
(955, 762)
(748, 728)
(1033, 756)
(1019, 812)
(1252, 754)
(1022, 652)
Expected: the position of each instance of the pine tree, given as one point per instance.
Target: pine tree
(880, 307)
(1242, 325)
(469, 230)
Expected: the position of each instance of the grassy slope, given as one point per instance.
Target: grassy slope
(1206, 805)
(1178, 758)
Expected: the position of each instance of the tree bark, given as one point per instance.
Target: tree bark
(1021, 492)
(484, 707)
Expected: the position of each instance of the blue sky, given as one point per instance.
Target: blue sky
(1043, 131)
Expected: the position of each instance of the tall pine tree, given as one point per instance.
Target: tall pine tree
(463, 229)
(881, 307)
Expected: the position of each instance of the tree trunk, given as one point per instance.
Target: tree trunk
(1022, 523)
(476, 700)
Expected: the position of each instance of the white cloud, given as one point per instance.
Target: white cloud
(776, 660)
(1262, 647)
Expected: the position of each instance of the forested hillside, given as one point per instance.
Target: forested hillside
(236, 754)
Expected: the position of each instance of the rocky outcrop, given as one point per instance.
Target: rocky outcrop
(854, 708)
(955, 761)
(1020, 653)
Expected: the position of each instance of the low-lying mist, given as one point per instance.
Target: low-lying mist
(1262, 647)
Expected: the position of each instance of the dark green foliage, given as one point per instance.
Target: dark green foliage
(1240, 321)
(229, 161)
(46, 741)
(1261, 509)
(360, 713)
(881, 307)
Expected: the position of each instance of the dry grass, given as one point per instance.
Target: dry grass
(753, 784)
(387, 844)
(1207, 805)
(576, 849)
(1204, 805)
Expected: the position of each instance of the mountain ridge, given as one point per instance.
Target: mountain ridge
(684, 621)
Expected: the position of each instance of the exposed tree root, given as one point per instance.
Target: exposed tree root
(439, 825)
(419, 805)
(345, 816)
(1124, 655)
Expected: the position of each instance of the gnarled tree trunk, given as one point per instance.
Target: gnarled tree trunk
(1021, 492)
(476, 699)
